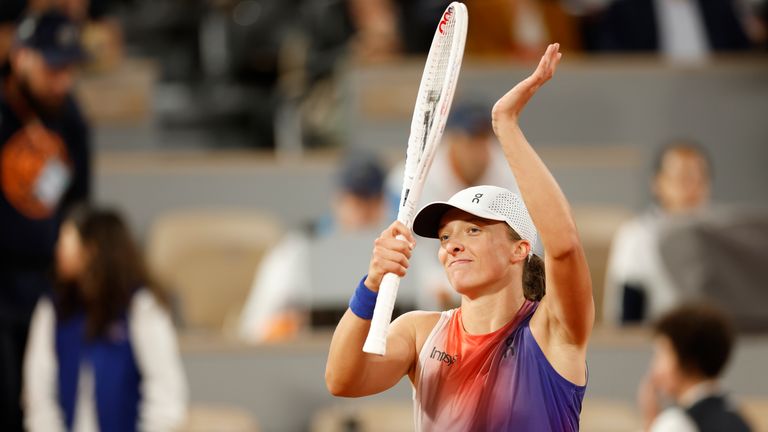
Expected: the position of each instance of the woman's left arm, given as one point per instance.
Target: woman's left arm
(569, 287)
(164, 388)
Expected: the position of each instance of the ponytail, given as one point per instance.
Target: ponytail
(533, 273)
(533, 278)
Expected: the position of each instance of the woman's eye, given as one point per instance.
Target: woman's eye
(474, 230)
(443, 237)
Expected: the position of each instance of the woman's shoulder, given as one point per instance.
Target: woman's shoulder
(420, 324)
(44, 308)
(148, 315)
(145, 301)
(421, 320)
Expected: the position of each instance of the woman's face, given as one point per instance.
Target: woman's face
(476, 252)
(70, 253)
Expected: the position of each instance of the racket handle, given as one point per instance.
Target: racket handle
(376, 342)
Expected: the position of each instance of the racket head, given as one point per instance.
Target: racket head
(433, 103)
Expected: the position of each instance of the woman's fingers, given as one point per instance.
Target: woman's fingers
(545, 59)
(391, 251)
(548, 63)
(555, 60)
(395, 245)
(512, 103)
(388, 261)
(398, 229)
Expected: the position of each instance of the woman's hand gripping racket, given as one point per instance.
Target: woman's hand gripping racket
(433, 102)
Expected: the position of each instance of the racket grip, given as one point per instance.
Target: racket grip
(376, 342)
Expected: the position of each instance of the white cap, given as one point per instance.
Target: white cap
(487, 202)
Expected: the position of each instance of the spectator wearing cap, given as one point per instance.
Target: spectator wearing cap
(692, 345)
(44, 167)
(273, 310)
(359, 198)
(468, 156)
(102, 35)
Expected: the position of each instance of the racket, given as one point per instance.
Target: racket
(433, 102)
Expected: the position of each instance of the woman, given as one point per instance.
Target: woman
(510, 357)
(102, 351)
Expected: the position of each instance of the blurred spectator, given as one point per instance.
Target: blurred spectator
(77, 10)
(275, 306)
(386, 28)
(755, 16)
(13, 11)
(679, 29)
(10, 12)
(692, 346)
(102, 351)
(520, 28)
(720, 255)
(102, 38)
(638, 286)
(468, 156)
(44, 167)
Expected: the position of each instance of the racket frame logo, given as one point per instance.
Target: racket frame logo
(446, 17)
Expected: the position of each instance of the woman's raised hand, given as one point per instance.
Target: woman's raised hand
(508, 108)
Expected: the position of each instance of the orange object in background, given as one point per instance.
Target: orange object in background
(23, 164)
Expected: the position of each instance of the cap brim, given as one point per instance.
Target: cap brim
(57, 59)
(427, 220)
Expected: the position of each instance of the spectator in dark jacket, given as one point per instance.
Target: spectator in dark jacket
(44, 167)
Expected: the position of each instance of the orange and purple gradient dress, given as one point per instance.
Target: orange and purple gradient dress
(499, 381)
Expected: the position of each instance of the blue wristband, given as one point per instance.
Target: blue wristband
(363, 301)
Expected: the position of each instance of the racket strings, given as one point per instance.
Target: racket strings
(432, 94)
(435, 84)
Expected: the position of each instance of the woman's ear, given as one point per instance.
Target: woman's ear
(525, 248)
(521, 251)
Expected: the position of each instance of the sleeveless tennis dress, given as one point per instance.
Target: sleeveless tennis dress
(499, 381)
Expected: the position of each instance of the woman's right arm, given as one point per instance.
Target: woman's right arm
(164, 392)
(41, 407)
(349, 371)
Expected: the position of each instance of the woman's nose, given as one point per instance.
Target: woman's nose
(454, 247)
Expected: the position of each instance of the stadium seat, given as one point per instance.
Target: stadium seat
(606, 415)
(219, 418)
(755, 409)
(207, 259)
(598, 415)
(390, 416)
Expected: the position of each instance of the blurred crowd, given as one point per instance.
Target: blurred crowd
(87, 341)
(290, 75)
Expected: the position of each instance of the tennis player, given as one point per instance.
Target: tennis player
(510, 357)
